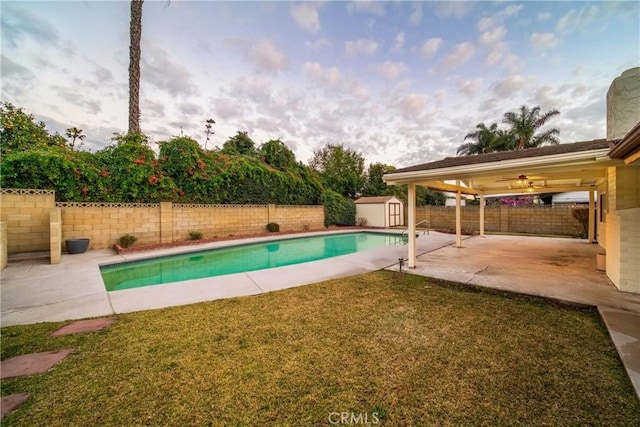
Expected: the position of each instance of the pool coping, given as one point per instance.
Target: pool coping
(74, 289)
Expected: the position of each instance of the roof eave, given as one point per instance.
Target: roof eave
(599, 155)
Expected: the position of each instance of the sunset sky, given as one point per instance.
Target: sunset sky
(401, 82)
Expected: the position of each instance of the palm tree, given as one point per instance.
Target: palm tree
(525, 122)
(487, 139)
(135, 34)
(74, 133)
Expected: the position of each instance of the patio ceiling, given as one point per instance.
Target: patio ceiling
(567, 167)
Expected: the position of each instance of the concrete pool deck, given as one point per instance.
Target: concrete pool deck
(35, 291)
(561, 269)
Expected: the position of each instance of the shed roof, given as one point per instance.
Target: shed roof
(373, 200)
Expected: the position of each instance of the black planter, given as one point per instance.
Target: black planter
(77, 246)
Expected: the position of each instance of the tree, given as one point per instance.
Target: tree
(209, 124)
(374, 185)
(74, 133)
(135, 35)
(19, 131)
(239, 144)
(526, 122)
(341, 169)
(486, 140)
(275, 153)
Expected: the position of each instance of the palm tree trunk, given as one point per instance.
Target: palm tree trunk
(135, 34)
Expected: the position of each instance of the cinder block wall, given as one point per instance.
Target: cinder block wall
(104, 223)
(294, 218)
(26, 213)
(504, 219)
(218, 220)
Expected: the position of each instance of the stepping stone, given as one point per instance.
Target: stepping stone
(30, 364)
(84, 326)
(11, 403)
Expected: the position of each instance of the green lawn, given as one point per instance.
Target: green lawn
(402, 349)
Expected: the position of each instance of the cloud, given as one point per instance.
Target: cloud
(226, 108)
(469, 87)
(430, 47)
(318, 44)
(578, 19)
(262, 53)
(19, 23)
(158, 70)
(540, 41)
(360, 47)
(256, 88)
(191, 109)
(416, 15)
(328, 76)
(399, 42)
(544, 16)
(496, 35)
(412, 104)
(390, 70)
(358, 90)
(370, 7)
(460, 54)
(506, 88)
(12, 69)
(456, 9)
(76, 97)
(305, 15)
(103, 74)
(153, 108)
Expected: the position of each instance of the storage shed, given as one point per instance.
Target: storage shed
(380, 211)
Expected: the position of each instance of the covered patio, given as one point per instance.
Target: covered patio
(581, 166)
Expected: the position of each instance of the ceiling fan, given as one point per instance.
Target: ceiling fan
(522, 179)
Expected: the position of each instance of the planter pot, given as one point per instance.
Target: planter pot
(77, 246)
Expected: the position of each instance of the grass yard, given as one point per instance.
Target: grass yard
(399, 350)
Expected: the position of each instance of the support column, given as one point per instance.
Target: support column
(166, 222)
(411, 198)
(458, 216)
(592, 217)
(482, 215)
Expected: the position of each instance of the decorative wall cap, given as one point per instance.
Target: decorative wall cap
(28, 191)
(105, 205)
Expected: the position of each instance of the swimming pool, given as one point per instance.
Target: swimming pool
(240, 258)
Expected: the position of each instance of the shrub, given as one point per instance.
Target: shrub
(273, 227)
(196, 235)
(127, 240)
(361, 222)
(338, 210)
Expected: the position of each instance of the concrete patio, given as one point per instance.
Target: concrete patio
(561, 269)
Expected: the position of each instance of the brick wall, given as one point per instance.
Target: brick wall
(504, 219)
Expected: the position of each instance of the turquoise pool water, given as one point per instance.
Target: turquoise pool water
(238, 259)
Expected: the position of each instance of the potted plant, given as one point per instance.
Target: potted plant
(77, 246)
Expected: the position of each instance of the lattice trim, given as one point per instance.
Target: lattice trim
(28, 191)
(105, 205)
(194, 205)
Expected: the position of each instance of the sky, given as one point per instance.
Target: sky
(400, 82)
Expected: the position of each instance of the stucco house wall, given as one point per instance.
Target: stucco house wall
(622, 240)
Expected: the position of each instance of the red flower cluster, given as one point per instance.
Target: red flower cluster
(104, 173)
(139, 161)
(153, 179)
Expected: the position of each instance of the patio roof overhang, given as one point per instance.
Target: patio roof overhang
(553, 173)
